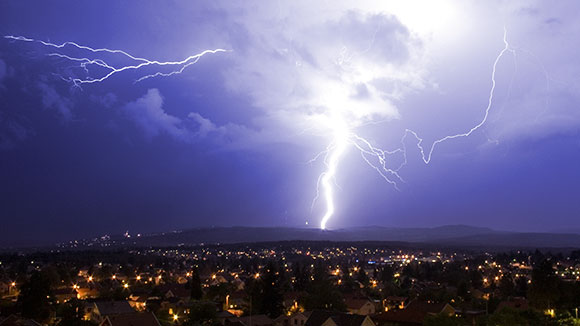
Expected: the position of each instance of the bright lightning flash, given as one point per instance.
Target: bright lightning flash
(137, 62)
(343, 135)
(377, 158)
(334, 153)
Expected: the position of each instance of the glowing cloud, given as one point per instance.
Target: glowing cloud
(324, 72)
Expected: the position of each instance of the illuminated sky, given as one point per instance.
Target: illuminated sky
(230, 140)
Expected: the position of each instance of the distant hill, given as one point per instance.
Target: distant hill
(452, 236)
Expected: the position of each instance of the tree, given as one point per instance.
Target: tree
(511, 317)
(543, 291)
(271, 293)
(51, 274)
(386, 274)
(218, 293)
(348, 285)
(195, 284)
(463, 290)
(71, 314)
(443, 320)
(322, 294)
(301, 277)
(475, 278)
(35, 297)
(202, 313)
(362, 277)
(265, 293)
(284, 279)
(506, 286)
(521, 287)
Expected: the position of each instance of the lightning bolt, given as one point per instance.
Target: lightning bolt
(343, 136)
(377, 158)
(110, 70)
(335, 151)
(427, 156)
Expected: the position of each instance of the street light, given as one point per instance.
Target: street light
(12, 287)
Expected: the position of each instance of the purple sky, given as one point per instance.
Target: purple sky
(229, 141)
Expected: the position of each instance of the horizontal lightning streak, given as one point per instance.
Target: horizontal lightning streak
(138, 61)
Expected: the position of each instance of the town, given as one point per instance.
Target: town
(291, 283)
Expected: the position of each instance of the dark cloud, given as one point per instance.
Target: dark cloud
(206, 126)
(3, 70)
(232, 134)
(107, 100)
(148, 114)
(51, 99)
(13, 132)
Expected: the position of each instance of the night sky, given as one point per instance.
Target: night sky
(230, 140)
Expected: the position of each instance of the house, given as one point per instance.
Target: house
(14, 320)
(330, 318)
(175, 291)
(87, 292)
(217, 280)
(175, 298)
(234, 323)
(83, 272)
(131, 319)
(470, 315)
(360, 306)
(296, 319)
(238, 300)
(394, 302)
(414, 314)
(182, 280)
(517, 303)
(282, 320)
(238, 284)
(254, 320)
(402, 317)
(222, 316)
(139, 303)
(100, 310)
(175, 305)
(482, 294)
(5, 288)
(64, 294)
(431, 307)
(290, 300)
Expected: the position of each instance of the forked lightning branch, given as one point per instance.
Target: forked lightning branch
(343, 136)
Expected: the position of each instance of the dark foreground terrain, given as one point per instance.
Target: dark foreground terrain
(289, 283)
